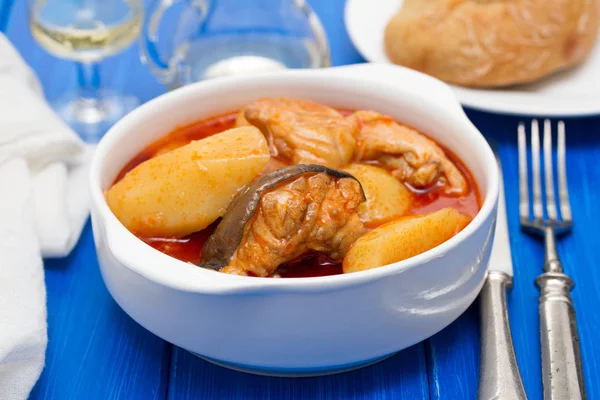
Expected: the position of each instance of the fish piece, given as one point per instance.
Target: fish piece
(412, 157)
(302, 131)
(283, 215)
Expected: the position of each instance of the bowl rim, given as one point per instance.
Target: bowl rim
(200, 280)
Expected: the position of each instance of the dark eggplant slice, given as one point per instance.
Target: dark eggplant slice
(222, 244)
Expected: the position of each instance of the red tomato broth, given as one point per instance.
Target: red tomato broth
(312, 264)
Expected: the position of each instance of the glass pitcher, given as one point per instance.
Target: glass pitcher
(213, 38)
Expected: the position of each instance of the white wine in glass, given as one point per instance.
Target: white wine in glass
(86, 31)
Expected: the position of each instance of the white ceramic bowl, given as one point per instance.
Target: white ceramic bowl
(297, 326)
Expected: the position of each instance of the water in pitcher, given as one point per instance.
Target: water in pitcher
(217, 38)
(238, 55)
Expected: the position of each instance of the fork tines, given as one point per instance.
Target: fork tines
(551, 219)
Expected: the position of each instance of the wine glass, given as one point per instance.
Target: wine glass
(86, 31)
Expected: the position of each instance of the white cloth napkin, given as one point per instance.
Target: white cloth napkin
(43, 207)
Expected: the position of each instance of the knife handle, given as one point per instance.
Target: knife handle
(562, 371)
(499, 376)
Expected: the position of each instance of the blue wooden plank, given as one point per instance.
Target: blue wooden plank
(579, 249)
(95, 350)
(399, 377)
(5, 6)
(454, 375)
(452, 359)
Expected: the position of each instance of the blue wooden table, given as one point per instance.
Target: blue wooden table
(96, 351)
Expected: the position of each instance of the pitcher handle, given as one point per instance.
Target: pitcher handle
(148, 45)
(149, 51)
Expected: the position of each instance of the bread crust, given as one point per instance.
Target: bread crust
(491, 43)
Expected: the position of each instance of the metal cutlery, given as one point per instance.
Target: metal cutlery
(499, 376)
(562, 371)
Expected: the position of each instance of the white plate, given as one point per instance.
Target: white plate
(570, 93)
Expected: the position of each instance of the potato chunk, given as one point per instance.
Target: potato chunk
(404, 238)
(387, 198)
(186, 189)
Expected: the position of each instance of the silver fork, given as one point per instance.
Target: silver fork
(562, 371)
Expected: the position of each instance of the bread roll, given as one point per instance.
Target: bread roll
(488, 43)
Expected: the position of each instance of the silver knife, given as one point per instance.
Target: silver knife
(499, 376)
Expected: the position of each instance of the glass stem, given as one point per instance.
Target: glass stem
(88, 75)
